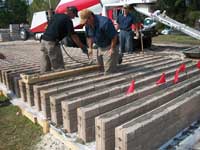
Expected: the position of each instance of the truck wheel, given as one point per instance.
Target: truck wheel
(23, 34)
(147, 42)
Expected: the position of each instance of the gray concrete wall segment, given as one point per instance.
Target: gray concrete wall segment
(116, 117)
(10, 76)
(89, 89)
(22, 90)
(95, 109)
(159, 118)
(16, 86)
(29, 93)
(179, 126)
(56, 83)
(125, 86)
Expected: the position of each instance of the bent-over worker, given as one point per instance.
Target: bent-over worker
(60, 26)
(101, 31)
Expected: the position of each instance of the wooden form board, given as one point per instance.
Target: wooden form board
(30, 79)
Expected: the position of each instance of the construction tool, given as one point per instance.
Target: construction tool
(141, 40)
(90, 60)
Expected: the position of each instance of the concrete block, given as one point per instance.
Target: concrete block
(22, 89)
(29, 93)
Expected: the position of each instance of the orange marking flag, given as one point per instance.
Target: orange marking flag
(182, 68)
(162, 79)
(176, 76)
(198, 64)
(131, 87)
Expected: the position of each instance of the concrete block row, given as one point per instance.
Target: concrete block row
(144, 86)
(55, 84)
(21, 61)
(150, 130)
(109, 90)
(73, 103)
(105, 124)
(46, 93)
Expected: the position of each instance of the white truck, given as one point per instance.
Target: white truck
(40, 19)
(111, 8)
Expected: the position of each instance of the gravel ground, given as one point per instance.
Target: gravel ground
(49, 142)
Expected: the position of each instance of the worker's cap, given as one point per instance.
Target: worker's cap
(73, 9)
(126, 6)
(84, 15)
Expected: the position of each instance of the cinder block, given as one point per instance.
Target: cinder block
(37, 100)
(16, 86)
(29, 93)
(22, 89)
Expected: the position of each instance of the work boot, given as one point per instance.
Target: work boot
(2, 56)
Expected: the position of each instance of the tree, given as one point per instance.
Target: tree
(41, 5)
(18, 10)
(185, 11)
(13, 12)
(54, 3)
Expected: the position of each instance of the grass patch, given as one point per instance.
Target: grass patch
(181, 39)
(16, 131)
(3, 98)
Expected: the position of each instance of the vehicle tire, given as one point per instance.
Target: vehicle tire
(147, 42)
(35, 37)
(23, 34)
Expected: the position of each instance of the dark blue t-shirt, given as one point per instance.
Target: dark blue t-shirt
(125, 22)
(103, 31)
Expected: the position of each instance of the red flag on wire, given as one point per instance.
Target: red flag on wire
(182, 68)
(131, 87)
(176, 76)
(162, 79)
(198, 64)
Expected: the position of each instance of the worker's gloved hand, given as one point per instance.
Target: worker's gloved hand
(136, 35)
(84, 50)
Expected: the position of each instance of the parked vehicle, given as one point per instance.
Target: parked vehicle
(40, 19)
(111, 8)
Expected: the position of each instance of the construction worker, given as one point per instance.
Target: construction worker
(124, 23)
(101, 31)
(60, 26)
(137, 22)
